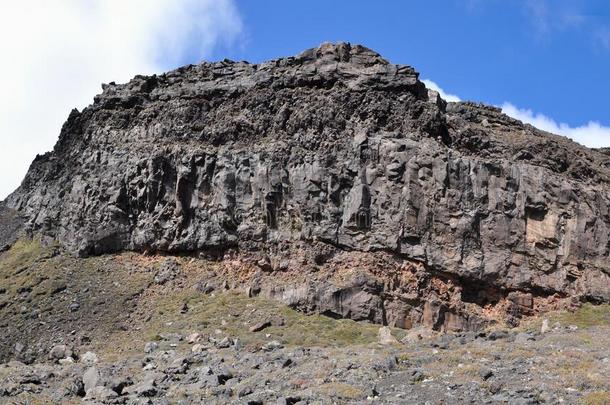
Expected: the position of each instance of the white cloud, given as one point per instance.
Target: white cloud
(447, 97)
(539, 14)
(593, 134)
(547, 17)
(55, 55)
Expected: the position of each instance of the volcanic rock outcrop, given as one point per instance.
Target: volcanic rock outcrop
(342, 171)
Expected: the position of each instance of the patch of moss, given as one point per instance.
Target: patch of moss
(16, 265)
(340, 390)
(586, 316)
(596, 398)
(320, 330)
(232, 313)
(22, 254)
(403, 357)
(299, 329)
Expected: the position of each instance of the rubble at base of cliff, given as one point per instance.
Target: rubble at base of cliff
(131, 329)
(495, 367)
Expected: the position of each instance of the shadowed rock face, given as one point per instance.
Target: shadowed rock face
(338, 148)
(10, 227)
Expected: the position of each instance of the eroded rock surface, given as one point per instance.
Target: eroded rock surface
(331, 152)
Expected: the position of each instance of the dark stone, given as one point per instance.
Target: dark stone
(333, 152)
(260, 326)
(485, 373)
(498, 334)
(416, 376)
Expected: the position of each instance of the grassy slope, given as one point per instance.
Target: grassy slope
(122, 309)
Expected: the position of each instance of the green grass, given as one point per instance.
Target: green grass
(22, 254)
(206, 312)
(15, 265)
(233, 313)
(586, 316)
(320, 330)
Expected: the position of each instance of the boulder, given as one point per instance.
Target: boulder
(89, 359)
(385, 336)
(91, 379)
(260, 326)
(59, 352)
(100, 394)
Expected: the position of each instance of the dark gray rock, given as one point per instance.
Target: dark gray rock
(524, 337)
(260, 326)
(11, 222)
(168, 270)
(150, 347)
(485, 373)
(59, 352)
(334, 150)
(145, 388)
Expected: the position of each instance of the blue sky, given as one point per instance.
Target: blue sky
(545, 62)
(549, 56)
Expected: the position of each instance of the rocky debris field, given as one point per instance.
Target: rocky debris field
(169, 333)
(565, 365)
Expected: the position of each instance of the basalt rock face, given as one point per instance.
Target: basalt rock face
(11, 223)
(323, 156)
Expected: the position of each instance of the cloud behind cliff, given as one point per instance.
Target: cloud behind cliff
(592, 134)
(433, 86)
(55, 55)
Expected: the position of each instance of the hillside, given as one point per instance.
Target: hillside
(326, 194)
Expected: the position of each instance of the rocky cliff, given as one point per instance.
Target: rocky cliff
(339, 174)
